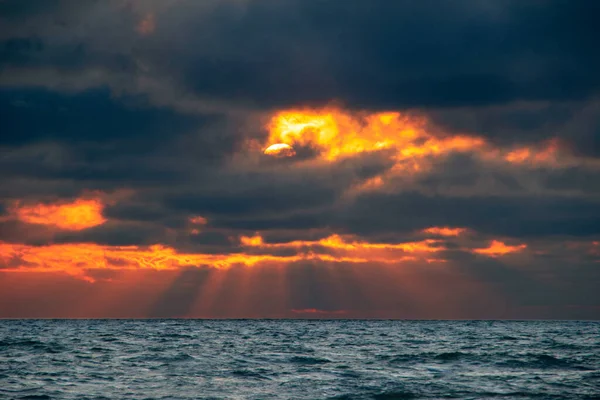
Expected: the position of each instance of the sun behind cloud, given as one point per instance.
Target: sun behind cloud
(280, 150)
(336, 133)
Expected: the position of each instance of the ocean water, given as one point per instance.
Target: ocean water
(301, 359)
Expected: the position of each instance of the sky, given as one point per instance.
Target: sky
(300, 159)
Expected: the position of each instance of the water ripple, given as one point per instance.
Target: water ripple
(245, 359)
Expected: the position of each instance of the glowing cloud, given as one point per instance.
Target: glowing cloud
(198, 220)
(335, 134)
(74, 259)
(545, 154)
(444, 231)
(498, 248)
(408, 139)
(252, 241)
(337, 242)
(77, 215)
(336, 248)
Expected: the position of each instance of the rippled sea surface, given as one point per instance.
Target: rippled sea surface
(250, 359)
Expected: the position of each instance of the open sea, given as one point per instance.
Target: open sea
(298, 359)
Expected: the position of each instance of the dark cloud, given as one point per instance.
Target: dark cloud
(261, 199)
(212, 238)
(92, 116)
(375, 55)
(517, 122)
(575, 124)
(275, 191)
(117, 234)
(136, 211)
(511, 216)
(386, 55)
(576, 179)
(14, 231)
(295, 221)
(107, 173)
(14, 9)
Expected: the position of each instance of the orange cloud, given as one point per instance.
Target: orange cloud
(546, 154)
(77, 215)
(336, 248)
(338, 242)
(407, 139)
(252, 241)
(445, 231)
(336, 134)
(518, 156)
(76, 258)
(498, 248)
(198, 220)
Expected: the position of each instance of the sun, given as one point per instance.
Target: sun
(280, 150)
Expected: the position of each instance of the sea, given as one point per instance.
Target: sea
(298, 359)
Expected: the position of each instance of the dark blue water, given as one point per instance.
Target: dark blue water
(199, 359)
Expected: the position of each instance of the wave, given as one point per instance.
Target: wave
(395, 395)
(541, 361)
(308, 360)
(20, 343)
(451, 356)
(246, 373)
(29, 344)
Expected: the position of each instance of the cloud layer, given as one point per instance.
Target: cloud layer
(429, 161)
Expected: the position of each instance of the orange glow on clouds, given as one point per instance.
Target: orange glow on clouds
(445, 231)
(547, 154)
(407, 139)
(346, 249)
(337, 242)
(518, 156)
(498, 248)
(76, 258)
(335, 134)
(77, 215)
(426, 246)
(251, 240)
(198, 220)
